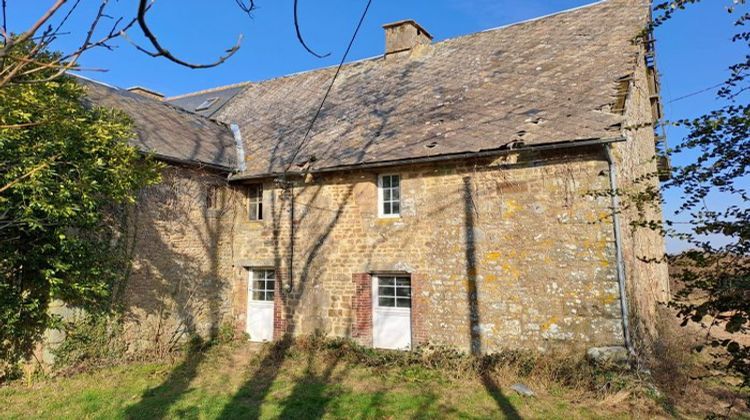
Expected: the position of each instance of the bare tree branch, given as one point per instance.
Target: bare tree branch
(27, 65)
(5, 20)
(143, 6)
(299, 34)
(247, 8)
(11, 42)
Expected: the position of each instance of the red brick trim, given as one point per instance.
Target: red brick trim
(362, 308)
(418, 310)
(279, 317)
(240, 302)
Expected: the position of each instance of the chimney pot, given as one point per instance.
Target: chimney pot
(404, 35)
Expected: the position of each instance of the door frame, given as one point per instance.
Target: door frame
(374, 283)
(259, 303)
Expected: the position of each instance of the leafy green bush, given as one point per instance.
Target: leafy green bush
(90, 342)
(66, 173)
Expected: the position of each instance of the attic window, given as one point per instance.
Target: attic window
(208, 103)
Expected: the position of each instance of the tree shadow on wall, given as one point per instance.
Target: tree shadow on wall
(178, 290)
(246, 402)
(472, 293)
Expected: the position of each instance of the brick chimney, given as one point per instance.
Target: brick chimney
(404, 35)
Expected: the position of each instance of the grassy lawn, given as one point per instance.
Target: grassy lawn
(242, 381)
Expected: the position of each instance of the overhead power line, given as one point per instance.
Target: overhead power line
(330, 86)
(697, 92)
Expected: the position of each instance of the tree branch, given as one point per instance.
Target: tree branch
(11, 42)
(299, 34)
(143, 6)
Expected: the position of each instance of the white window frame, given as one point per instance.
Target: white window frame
(262, 275)
(259, 210)
(381, 201)
(376, 292)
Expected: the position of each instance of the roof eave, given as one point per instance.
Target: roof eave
(439, 158)
(189, 162)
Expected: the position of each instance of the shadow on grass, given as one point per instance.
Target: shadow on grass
(156, 402)
(313, 392)
(247, 401)
(501, 400)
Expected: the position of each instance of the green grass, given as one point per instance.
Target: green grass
(241, 382)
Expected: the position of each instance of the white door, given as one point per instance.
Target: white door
(260, 292)
(391, 312)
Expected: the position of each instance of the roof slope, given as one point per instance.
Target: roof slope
(168, 132)
(541, 81)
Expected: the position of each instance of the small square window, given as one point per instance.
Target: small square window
(263, 285)
(394, 292)
(389, 195)
(255, 202)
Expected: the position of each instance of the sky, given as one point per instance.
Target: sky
(693, 50)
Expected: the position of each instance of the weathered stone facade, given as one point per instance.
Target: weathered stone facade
(506, 227)
(515, 252)
(512, 252)
(643, 246)
(179, 283)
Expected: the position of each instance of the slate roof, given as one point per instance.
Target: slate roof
(217, 98)
(168, 132)
(548, 80)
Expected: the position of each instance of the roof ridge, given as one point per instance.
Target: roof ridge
(534, 19)
(380, 56)
(209, 90)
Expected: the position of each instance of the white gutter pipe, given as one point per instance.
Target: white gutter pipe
(240, 146)
(618, 249)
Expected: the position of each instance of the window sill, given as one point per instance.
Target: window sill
(389, 216)
(388, 220)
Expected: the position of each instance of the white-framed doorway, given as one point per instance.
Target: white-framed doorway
(261, 288)
(391, 312)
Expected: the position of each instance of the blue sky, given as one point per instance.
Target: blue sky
(694, 50)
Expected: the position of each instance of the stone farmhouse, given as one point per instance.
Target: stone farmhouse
(452, 193)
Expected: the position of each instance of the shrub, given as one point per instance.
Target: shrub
(90, 342)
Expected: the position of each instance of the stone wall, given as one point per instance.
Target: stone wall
(180, 283)
(643, 246)
(515, 252)
(511, 253)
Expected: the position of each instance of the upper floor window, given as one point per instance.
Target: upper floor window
(389, 195)
(255, 201)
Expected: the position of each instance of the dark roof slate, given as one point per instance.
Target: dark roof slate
(168, 132)
(542, 81)
(218, 97)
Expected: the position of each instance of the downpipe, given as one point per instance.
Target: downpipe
(618, 249)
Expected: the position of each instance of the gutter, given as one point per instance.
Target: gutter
(440, 158)
(239, 145)
(618, 249)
